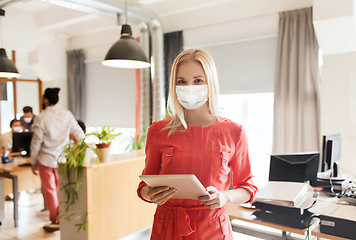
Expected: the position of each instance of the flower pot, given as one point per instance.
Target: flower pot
(89, 154)
(103, 152)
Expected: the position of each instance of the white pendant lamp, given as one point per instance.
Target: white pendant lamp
(126, 52)
(7, 67)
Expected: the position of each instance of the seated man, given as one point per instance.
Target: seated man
(27, 118)
(16, 126)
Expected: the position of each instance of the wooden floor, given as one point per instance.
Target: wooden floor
(30, 224)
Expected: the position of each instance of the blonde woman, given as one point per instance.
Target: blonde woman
(196, 141)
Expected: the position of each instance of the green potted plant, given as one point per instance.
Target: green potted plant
(70, 171)
(138, 142)
(105, 137)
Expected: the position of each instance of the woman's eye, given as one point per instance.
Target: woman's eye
(198, 80)
(181, 82)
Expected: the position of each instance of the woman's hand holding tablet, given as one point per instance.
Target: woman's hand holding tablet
(158, 195)
(187, 186)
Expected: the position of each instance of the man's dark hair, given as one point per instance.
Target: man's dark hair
(52, 95)
(82, 125)
(27, 109)
(13, 121)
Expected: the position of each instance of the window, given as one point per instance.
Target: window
(120, 144)
(255, 112)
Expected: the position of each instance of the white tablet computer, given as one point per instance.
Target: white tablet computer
(188, 186)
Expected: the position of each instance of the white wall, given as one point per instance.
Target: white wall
(20, 31)
(335, 27)
(241, 29)
(338, 104)
(23, 66)
(63, 93)
(110, 96)
(223, 13)
(49, 61)
(245, 67)
(27, 95)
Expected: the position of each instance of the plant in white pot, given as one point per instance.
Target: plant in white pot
(105, 137)
(76, 154)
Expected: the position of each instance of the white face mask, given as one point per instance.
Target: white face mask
(192, 97)
(17, 129)
(27, 120)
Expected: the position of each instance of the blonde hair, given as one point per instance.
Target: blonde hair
(178, 120)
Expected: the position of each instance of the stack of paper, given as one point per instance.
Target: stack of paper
(290, 194)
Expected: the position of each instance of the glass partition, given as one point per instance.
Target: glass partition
(16, 94)
(7, 105)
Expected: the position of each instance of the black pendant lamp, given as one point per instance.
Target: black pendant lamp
(7, 67)
(127, 52)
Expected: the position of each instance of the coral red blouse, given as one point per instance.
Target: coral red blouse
(209, 153)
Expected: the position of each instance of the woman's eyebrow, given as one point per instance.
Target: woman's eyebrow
(200, 76)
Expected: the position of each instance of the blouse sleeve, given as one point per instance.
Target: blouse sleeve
(153, 157)
(241, 167)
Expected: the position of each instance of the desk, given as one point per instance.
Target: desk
(22, 179)
(245, 214)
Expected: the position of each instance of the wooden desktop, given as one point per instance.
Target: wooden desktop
(26, 179)
(245, 214)
(18, 177)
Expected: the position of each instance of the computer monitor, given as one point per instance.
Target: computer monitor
(331, 153)
(21, 142)
(295, 167)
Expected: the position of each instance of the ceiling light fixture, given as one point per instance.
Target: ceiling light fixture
(126, 52)
(7, 67)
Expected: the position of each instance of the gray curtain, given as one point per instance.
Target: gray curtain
(76, 83)
(173, 45)
(296, 88)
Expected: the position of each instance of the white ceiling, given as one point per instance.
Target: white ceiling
(32, 23)
(26, 5)
(40, 17)
(29, 24)
(173, 13)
